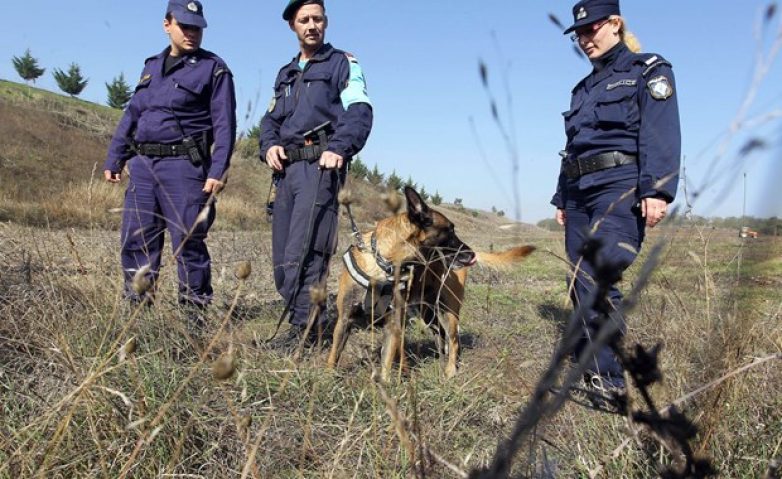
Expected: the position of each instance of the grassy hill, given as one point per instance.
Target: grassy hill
(52, 149)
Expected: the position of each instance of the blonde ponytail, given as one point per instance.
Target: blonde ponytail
(628, 37)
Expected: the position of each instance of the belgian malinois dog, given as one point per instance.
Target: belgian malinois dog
(416, 261)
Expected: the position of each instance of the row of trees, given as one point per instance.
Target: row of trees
(72, 81)
(393, 181)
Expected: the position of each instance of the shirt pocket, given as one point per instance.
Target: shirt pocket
(617, 108)
(318, 84)
(284, 96)
(189, 92)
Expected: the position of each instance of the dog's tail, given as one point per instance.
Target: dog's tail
(505, 258)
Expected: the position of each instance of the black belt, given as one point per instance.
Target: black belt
(306, 153)
(157, 149)
(580, 167)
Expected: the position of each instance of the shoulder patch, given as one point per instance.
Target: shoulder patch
(651, 60)
(660, 88)
(272, 104)
(145, 78)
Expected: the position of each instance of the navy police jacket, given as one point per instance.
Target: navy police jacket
(195, 97)
(627, 104)
(306, 98)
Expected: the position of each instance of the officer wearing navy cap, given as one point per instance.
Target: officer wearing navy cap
(319, 118)
(620, 165)
(175, 141)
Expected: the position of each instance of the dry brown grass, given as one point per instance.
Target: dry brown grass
(72, 408)
(78, 401)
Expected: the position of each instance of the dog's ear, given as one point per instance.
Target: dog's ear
(418, 212)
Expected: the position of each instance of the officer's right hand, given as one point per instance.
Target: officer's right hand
(561, 217)
(275, 156)
(112, 177)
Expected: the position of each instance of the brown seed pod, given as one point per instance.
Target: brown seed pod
(224, 367)
(245, 421)
(243, 270)
(392, 200)
(345, 196)
(141, 283)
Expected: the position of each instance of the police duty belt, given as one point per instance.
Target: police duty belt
(305, 153)
(576, 168)
(162, 150)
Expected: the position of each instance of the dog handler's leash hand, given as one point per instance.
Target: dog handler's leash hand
(330, 160)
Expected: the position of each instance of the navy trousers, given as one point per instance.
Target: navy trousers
(301, 186)
(167, 193)
(608, 213)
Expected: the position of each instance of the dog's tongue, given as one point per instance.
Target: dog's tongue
(473, 260)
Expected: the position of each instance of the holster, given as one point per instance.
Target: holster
(193, 150)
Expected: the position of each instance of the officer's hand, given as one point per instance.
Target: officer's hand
(112, 177)
(330, 160)
(654, 210)
(561, 217)
(275, 156)
(213, 186)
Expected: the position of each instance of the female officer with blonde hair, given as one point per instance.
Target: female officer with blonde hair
(620, 165)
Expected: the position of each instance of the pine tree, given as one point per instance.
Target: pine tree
(410, 183)
(436, 198)
(119, 92)
(358, 169)
(375, 176)
(72, 82)
(394, 181)
(423, 193)
(27, 67)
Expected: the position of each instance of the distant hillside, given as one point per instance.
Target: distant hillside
(52, 149)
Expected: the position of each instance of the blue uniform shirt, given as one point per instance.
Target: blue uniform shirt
(198, 91)
(628, 104)
(330, 87)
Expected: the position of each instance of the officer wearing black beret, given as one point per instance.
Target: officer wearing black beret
(319, 118)
(620, 165)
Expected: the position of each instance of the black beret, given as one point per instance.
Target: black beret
(294, 5)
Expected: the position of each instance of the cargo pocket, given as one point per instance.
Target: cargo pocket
(570, 121)
(198, 216)
(325, 233)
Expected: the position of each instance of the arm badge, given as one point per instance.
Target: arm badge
(660, 88)
(272, 104)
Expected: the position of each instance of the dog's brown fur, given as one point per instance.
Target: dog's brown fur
(427, 239)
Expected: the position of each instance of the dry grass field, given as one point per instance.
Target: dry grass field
(92, 388)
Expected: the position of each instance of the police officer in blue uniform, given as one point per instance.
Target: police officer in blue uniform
(175, 141)
(319, 118)
(621, 163)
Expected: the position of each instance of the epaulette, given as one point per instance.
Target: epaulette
(350, 57)
(652, 61)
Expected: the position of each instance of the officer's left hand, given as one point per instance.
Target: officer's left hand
(330, 160)
(213, 186)
(654, 210)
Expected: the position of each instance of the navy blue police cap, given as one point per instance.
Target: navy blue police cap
(187, 12)
(591, 11)
(294, 5)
